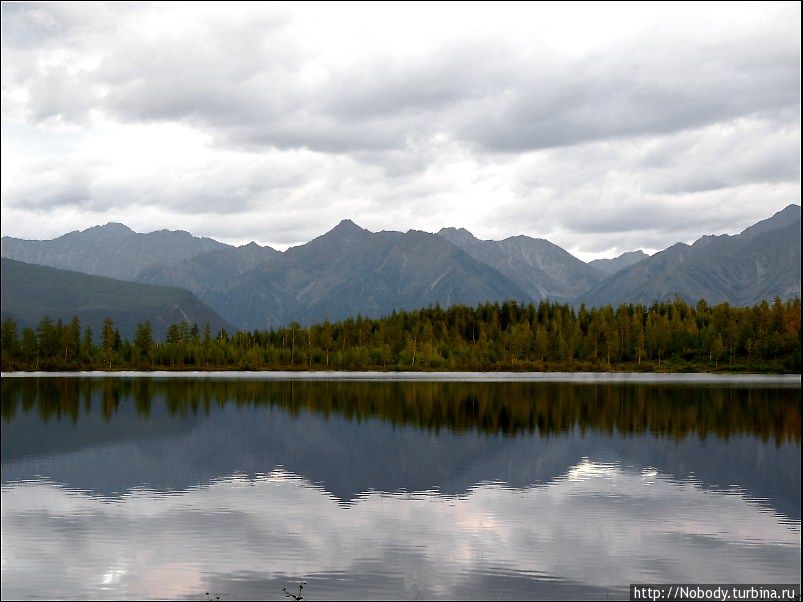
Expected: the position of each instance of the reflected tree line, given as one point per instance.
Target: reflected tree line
(674, 411)
(494, 336)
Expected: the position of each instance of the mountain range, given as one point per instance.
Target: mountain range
(113, 250)
(542, 268)
(350, 270)
(761, 262)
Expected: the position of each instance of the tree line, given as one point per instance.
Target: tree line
(492, 336)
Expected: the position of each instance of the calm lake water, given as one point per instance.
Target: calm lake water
(170, 488)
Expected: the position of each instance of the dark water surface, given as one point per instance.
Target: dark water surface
(170, 488)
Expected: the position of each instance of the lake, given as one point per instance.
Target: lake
(135, 487)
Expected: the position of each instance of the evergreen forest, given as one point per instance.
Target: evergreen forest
(508, 336)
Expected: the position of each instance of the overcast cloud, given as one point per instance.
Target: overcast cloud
(602, 128)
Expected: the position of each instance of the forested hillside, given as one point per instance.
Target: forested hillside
(31, 292)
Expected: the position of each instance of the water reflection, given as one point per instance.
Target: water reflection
(509, 408)
(483, 490)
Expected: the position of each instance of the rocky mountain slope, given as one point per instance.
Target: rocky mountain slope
(113, 250)
(350, 271)
(210, 271)
(543, 269)
(760, 263)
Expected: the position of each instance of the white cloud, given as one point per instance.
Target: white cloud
(605, 128)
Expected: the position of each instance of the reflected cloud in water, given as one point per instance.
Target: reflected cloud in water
(117, 489)
(276, 526)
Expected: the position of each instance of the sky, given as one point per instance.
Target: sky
(602, 127)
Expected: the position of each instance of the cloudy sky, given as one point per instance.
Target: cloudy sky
(603, 128)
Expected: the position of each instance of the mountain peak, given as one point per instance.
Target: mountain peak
(113, 228)
(108, 230)
(785, 217)
(790, 210)
(614, 264)
(347, 228)
(456, 235)
(345, 231)
(348, 224)
(528, 239)
(174, 233)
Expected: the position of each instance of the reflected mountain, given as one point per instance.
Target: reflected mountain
(111, 436)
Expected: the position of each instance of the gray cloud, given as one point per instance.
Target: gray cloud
(31, 25)
(246, 83)
(495, 128)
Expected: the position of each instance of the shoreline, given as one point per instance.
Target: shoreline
(792, 380)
